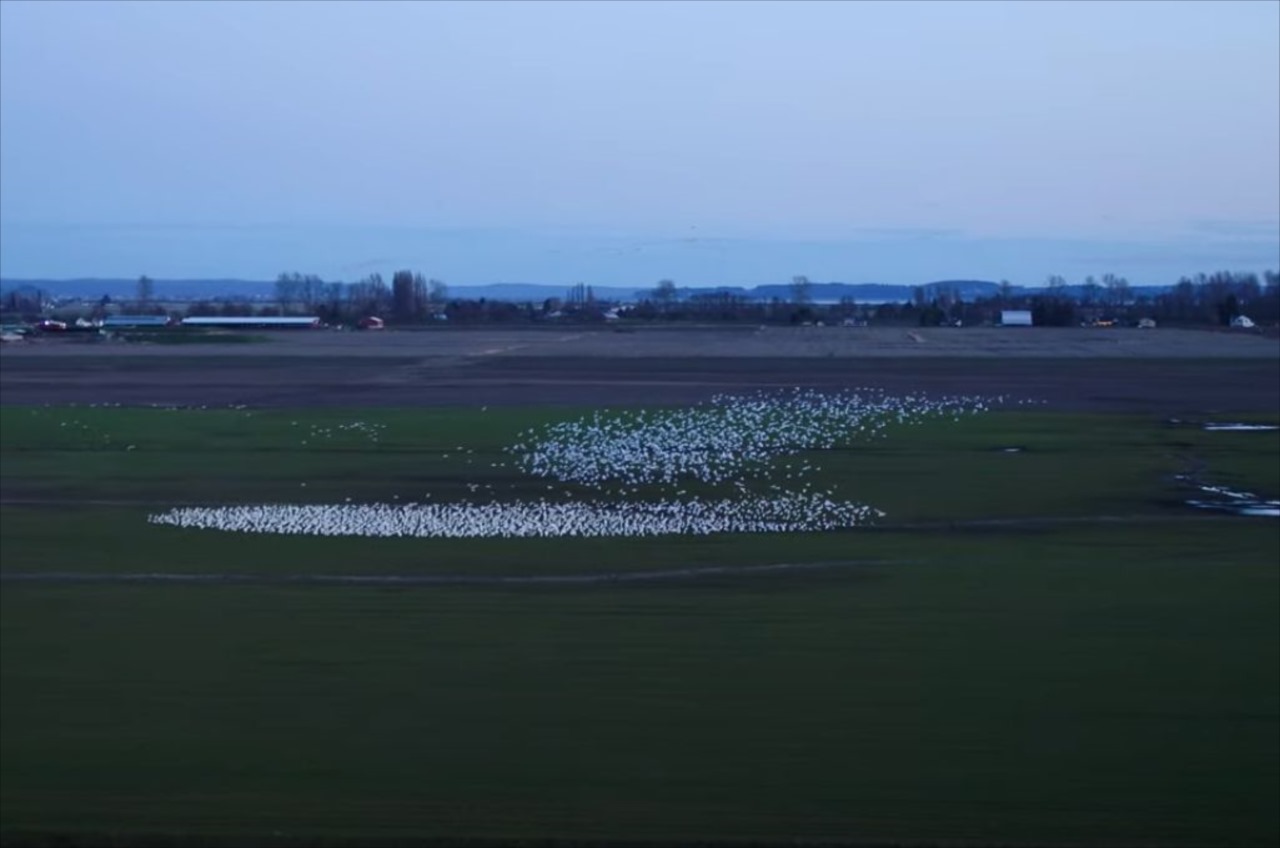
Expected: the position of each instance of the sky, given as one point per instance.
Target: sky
(619, 142)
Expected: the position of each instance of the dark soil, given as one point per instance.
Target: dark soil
(1161, 386)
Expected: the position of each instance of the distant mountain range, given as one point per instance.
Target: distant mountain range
(117, 289)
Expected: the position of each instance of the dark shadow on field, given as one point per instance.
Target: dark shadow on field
(160, 840)
(721, 577)
(1159, 386)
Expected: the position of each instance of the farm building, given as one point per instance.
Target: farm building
(122, 322)
(1242, 321)
(1015, 317)
(371, 323)
(259, 322)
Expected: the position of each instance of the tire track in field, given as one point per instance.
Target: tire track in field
(428, 580)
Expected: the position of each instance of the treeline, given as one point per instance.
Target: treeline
(1203, 300)
(411, 298)
(1206, 299)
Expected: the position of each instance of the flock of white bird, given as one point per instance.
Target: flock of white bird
(726, 440)
(788, 512)
(359, 428)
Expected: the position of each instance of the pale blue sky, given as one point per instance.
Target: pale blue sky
(535, 141)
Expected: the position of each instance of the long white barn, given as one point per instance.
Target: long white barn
(216, 321)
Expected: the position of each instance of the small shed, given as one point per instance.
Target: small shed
(1015, 317)
(372, 322)
(1242, 321)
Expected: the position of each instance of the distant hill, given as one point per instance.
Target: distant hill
(536, 292)
(94, 288)
(878, 292)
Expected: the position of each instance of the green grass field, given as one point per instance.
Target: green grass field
(1051, 648)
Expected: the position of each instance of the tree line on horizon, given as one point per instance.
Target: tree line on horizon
(411, 298)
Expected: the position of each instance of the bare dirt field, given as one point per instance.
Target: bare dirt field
(1165, 371)
(709, 341)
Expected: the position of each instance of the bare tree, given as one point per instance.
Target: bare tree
(370, 296)
(801, 290)
(664, 295)
(403, 303)
(313, 291)
(1090, 291)
(146, 290)
(294, 291)
(1117, 289)
(288, 291)
(437, 292)
(1006, 293)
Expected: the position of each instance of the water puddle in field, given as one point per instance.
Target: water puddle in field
(1225, 427)
(1223, 499)
(1212, 428)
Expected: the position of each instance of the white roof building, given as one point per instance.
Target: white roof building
(1015, 317)
(248, 321)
